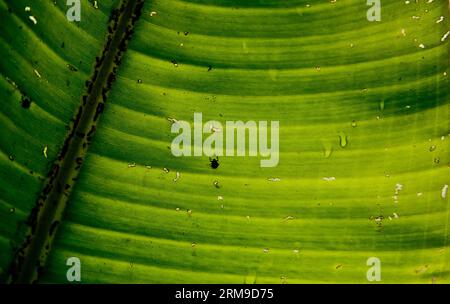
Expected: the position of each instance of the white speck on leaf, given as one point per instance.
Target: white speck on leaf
(37, 73)
(177, 177)
(378, 219)
(33, 19)
(274, 179)
(444, 191)
(329, 179)
(288, 218)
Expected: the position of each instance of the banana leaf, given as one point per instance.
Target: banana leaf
(364, 132)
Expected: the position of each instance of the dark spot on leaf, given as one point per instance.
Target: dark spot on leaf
(26, 102)
(214, 162)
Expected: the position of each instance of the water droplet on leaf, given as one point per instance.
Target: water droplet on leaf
(343, 139)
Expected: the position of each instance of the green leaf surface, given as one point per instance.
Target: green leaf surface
(364, 141)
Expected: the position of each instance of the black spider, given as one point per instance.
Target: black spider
(214, 162)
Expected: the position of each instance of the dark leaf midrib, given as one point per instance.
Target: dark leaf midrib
(29, 260)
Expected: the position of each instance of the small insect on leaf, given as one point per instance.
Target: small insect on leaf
(25, 102)
(214, 162)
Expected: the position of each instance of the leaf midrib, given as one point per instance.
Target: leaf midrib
(45, 217)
